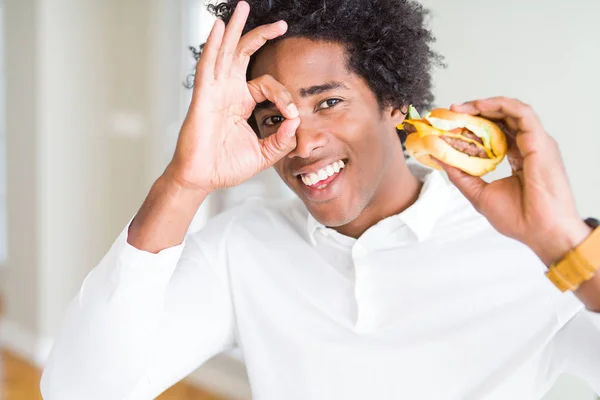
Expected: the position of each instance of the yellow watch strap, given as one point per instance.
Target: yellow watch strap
(578, 266)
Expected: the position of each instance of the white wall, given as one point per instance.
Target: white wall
(21, 80)
(2, 146)
(75, 174)
(545, 53)
(71, 147)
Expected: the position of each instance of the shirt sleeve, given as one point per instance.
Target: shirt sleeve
(578, 347)
(141, 322)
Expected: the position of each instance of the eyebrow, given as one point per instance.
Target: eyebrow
(305, 92)
(315, 90)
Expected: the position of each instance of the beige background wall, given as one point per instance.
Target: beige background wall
(77, 99)
(23, 161)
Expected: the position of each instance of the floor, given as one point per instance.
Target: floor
(19, 380)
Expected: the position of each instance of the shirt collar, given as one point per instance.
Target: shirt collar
(422, 215)
(312, 225)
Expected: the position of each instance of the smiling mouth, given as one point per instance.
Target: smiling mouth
(321, 178)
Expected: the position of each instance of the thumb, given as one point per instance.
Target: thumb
(471, 187)
(277, 146)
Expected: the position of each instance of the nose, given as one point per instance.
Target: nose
(310, 136)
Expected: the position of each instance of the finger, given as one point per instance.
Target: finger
(508, 125)
(277, 146)
(231, 39)
(251, 42)
(471, 108)
(205, 68)
(266, 88)
(472, 187)
(505, 108)
(513, 153)
(515, 158)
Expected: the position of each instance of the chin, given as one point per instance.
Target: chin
(334, 214)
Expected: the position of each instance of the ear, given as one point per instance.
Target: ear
(397, 114)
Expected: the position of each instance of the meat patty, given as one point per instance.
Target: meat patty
(466, 147)
(463, 146)
(409, 128)
(467, 133)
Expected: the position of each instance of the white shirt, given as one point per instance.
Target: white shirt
(431, 303)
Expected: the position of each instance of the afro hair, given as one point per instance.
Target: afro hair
(387, 41)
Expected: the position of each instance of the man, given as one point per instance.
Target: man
(381, 280)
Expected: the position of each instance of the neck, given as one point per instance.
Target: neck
(398, 190)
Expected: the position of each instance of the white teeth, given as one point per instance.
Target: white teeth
(322, 174)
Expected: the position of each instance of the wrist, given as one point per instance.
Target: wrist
(180, 192)
(165, 215)
(178, 183)
(556, 244)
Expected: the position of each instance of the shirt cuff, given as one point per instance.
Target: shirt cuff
(126, 272)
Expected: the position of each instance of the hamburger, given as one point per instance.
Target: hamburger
(470, 143)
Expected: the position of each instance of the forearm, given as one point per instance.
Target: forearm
(165, 215)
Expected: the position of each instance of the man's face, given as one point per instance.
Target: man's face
(340, 122)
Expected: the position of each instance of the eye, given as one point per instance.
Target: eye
(272, 120)
(328, 104)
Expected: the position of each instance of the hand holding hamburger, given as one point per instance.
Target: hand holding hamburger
(535, 204)
(470, 143)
